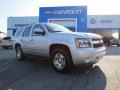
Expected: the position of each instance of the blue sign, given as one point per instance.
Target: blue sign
(75, 12)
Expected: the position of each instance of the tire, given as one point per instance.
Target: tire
(61, 60)
(5, 47)
(19, 53)
(89, 66)
(86, 67)
(109, 45)
(118, 45)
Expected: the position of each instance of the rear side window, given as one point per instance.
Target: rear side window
(109, 37)
(26, 32)
(18, 32)
(6, 38)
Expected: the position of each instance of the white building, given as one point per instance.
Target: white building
(13, 23)
(101, 24)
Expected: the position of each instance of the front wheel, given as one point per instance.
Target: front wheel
(61, 60)
(90, 66)
(19, 54)
(118, 44)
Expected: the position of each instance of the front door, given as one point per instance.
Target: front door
(39, 42)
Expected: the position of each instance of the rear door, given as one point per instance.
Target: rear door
(25, 40)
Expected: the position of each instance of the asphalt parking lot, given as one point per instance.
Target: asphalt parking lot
(35, 74)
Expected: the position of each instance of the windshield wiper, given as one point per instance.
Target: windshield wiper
(57, 31)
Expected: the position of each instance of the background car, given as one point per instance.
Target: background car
(0, 39)
(2, 35)
(6, 42)
(111, 40)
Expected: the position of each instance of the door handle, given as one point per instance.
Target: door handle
(31, 39)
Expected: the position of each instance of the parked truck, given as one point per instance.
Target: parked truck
(63, 47)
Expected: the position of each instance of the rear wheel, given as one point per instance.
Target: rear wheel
(19, 54)
(61, 60)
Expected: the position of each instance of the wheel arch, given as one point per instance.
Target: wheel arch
(16, 45)
(63, 46)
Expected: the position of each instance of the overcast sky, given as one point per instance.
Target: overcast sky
(31, 7)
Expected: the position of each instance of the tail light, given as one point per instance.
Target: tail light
(0, 39)
(11, 41)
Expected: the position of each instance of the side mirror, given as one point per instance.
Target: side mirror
(39, 33)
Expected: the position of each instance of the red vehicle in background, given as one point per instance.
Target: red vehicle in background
(1, 39)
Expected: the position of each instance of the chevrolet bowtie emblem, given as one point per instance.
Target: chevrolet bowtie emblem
(48, 12)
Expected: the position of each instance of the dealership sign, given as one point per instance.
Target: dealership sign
(79, 13)
(63, 12)
(106, 21)
(103, 22)
(20, 25)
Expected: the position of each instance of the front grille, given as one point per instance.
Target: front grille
(97, 43)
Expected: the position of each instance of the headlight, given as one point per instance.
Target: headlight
(82, 42)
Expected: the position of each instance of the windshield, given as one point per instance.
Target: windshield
(56, 28)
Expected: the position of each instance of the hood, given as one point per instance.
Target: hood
(92, 35)
(81, 34)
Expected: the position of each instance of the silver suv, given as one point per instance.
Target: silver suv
(64, 47)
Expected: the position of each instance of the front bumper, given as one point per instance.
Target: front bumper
(87, 55)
